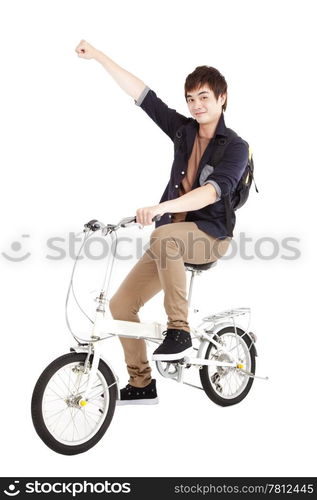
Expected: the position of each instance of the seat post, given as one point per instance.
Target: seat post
(191, 284)
(196, 269)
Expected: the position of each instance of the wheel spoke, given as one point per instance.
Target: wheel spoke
(54, 414)
(50, 389)
(54, 425)
(62, 380)
(85, 417)
(94, 403)
(224, 379)
(96, 395)
(71, 381)
(62, 393)
(70, 421)
(89, 414)
(80, 392)
(74, 425)
(52, 400)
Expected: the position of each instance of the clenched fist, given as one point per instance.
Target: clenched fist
(85, 50)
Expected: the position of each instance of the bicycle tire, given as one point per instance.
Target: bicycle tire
(37, 404)
(205, 375)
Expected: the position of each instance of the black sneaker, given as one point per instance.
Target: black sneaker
(175, 346)
(131, 395)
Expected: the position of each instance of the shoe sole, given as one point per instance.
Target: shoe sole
(123, 402)
(171, 357)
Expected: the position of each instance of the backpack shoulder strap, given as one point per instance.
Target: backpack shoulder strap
(179, 137)
(221, 144)
(217, 155)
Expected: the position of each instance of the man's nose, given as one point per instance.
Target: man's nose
(197, 106)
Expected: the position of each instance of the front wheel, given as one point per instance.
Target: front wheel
(60, 421)
(224, 385)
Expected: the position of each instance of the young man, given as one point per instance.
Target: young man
(193, 227)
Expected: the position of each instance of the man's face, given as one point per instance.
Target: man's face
(203, 105)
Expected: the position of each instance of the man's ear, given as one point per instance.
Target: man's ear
(223, 98)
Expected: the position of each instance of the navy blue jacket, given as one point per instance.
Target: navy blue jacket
(212, 218)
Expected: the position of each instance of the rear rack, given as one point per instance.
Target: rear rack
(229, 313)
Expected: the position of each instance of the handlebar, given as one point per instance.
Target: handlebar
(95, 225)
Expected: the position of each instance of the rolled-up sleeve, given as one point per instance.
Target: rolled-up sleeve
(229, 170)
(166, 118)
(216, 186)
(141, 97)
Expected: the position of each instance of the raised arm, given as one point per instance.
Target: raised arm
(129, 83)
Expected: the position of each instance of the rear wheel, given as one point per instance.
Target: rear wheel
(227, 386)
(61, 422)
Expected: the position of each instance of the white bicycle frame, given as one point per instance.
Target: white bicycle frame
(104, 326)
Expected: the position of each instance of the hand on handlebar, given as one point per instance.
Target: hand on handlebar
(147, 215)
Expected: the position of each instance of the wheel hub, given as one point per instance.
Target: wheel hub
(74, 401)
(223, 370)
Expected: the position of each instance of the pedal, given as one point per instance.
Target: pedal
(180, 361)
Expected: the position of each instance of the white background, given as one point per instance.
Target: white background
(75, 147)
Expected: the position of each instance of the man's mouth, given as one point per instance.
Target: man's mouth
(201, 113)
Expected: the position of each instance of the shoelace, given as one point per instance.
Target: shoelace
(170, 336)
(129, 387)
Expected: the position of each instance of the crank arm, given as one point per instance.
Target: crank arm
(252, 374)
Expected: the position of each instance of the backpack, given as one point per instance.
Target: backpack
(241, 193)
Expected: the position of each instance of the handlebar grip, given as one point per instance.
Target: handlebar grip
(130, 220)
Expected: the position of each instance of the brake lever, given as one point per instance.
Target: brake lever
(94, 225)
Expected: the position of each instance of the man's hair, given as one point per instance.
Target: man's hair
(207, 75)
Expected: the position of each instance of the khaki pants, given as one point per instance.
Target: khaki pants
(162, 267)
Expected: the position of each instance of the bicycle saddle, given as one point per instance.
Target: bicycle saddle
(200, 267)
